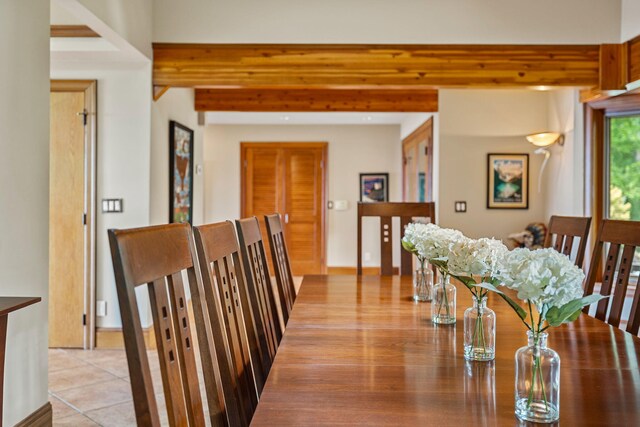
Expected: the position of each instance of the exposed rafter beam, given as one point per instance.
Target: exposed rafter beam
(72, 31)
(374, 66)
(316, 100)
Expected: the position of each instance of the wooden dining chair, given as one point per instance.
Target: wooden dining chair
(155, 257)
(225, 286)
(259, 280)
(386, 212)
(564, 232)
(280, 258)
(622, 237)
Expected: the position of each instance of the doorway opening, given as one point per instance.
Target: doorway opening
(72, 204)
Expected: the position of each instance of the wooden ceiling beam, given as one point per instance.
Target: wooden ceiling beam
(373, 66)
(317, 100)
(72, 31)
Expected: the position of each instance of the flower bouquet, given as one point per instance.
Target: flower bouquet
(433, 244)
(551, 287)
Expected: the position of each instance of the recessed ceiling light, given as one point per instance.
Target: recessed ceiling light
(367, 118)
(285, 118)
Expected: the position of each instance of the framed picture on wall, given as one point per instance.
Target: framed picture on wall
(508, 181)
(374, 187)
(180, 173)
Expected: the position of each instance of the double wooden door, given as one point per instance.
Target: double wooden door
(289, 178)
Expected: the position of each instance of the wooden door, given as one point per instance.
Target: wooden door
(289, 178)
(69, 215)
(417, 169)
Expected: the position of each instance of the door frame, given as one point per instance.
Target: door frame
(424, 132)
(323, 165)
(90, 89)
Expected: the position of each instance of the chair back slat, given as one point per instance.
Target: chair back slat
(226, 293)
(623, 237)
(608, 276)
(386, 212)
(259, 280)
(280, 258)
(621, 285)
(155, 257)
(563, 232)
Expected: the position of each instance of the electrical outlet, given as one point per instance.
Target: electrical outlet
(461, 206)
(101, 308)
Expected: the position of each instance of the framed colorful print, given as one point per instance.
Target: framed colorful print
(374, 187)
(180, 173)
(508, 181)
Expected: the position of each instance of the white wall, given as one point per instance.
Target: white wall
(400, 21)
(474, 123)
(24, 199)
(352, 149)
(630, 20)
(563, 178)
(178, 105)
(131, 19)
(123, 166)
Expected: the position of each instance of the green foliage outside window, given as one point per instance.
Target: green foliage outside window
(624, 168)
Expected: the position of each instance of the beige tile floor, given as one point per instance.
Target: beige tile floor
(91, 388)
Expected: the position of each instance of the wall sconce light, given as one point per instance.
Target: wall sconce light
(544, 140)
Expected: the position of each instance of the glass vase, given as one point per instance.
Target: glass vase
(537, 381)
(479, 331)
(443, 304)
(422, 284)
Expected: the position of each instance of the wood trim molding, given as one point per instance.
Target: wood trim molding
(373, 66)
(634, 59)
(112, 338)
(41, 417)
(71, 85)
(351, 271)
(317, 100)
(72, 31)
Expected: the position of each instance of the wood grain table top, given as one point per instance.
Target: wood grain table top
(359, 351)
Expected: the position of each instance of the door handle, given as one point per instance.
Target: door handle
(286, 218)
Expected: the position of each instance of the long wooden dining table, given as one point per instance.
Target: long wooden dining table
(359, 351)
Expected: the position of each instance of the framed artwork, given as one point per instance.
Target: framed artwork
(508, 181)
(374, 187)
(180, 173)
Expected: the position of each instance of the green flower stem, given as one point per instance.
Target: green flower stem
(536, 374)
(445, 300)
(479, 339)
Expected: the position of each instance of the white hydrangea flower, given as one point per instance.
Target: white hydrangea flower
(481, 257)
(431, 241)
(543, 276)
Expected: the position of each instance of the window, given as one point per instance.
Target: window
(623, 149)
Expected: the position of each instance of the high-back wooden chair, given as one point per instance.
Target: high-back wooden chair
(386, 212)
(155, 257)
(225, 286)
(623, 237)
(280, 258)
(562, 233)
(259, 280)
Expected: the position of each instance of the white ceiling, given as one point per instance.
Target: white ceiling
(333, 118)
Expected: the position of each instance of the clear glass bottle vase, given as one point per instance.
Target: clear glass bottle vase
(422, 284)
(443, 304)
(537, 381)
(479, 331)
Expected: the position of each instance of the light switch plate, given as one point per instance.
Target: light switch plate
(340, 205)
(112, 205)
(461, 206)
